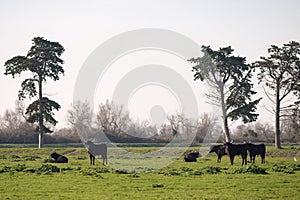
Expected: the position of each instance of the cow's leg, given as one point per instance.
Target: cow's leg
(262, 158)
(244, 159)
(231, 159)
(91, 159)
(253, 158)
(219, 158)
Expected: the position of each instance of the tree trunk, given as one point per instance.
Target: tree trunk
(41, 109)
(224, 114)
(277, 117)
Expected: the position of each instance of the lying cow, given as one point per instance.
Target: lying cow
(59, 158)
(95, 150)
(236, 149)
(256, 149)
(191, 157)
(220, 150)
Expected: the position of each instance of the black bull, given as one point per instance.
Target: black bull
(236, 149)
(220, 150)
(241, 149)
(256, 149)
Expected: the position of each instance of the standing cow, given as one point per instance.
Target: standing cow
(95, 150)
(256, 149)
(220, 150)
(236, 149)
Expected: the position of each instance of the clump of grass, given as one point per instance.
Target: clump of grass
(48, 160)
(102, 170)
(287, 169)
(211, 170)
(47, 168)
(197, 173)
(133, 175)
(81, 158)
(171, 172)
(14, 156)
(5, 169)
(121, 171)
(31, 158)
(251, 169)
(19, 168)
(90, 172)
(186, 169)
(29, 170)
(16, 168)
(3, 157)
(157, 185)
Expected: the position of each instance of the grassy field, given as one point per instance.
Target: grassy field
(25, 173)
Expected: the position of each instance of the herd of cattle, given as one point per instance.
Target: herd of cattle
(93, 150)
(227, 148)
(232, 150)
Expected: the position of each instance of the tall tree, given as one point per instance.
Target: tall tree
(230, 80)
(280, 72)
(42, 61)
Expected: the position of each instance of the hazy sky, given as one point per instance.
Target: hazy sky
(250, 27)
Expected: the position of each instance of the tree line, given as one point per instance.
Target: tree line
(229, 76)
(115, 122)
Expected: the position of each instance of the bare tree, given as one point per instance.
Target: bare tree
(264, 130)
(205, 125)
(111, 118)
(290, 124)
(80, 112)
(14, 127)
(141, 129)
(176, 122)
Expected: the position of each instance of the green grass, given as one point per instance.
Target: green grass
(25, 175)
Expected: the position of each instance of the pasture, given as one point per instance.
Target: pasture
(26, 173)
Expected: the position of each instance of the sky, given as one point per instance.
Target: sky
(250, 27)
